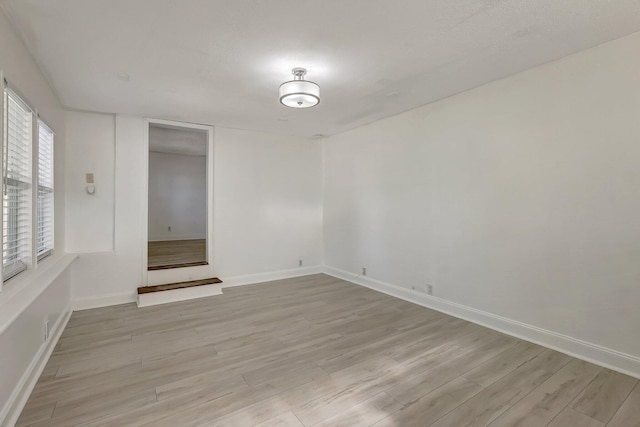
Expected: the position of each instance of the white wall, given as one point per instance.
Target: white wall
(177, 196)
(90, 148)
(267, 210)
(518, 198)
(22, 340)
(113, 276)
(267, 202)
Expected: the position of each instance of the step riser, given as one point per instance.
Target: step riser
(171, 275)
(182, 294)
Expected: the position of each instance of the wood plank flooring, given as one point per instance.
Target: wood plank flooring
(313, 351)
(176, 253)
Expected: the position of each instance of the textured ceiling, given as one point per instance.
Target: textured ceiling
(221, 62)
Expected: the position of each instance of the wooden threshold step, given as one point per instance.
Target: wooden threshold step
(179, 285)
(182, 265)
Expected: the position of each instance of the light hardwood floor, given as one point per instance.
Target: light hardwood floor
(176, 252)
(313, 351)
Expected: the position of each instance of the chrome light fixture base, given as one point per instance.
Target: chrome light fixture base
(299, 93)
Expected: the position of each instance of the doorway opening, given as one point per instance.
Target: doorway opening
(177, 197)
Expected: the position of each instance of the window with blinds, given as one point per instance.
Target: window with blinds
(16, 218)
(44, 239)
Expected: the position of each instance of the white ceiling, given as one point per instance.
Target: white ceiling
(220, 62)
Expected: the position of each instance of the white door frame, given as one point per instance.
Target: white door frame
(181, 274)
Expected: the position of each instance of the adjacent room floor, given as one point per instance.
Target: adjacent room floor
(313, 351)
(176, 253)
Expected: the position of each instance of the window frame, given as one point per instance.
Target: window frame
(39, 256)
(16, 189)
(34, 189)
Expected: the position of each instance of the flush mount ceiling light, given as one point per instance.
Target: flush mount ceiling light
(299, 93)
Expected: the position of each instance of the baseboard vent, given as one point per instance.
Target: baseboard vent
(172, 292)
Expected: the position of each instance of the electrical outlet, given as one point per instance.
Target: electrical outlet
(427, 289)
(299, 263)
(364, 271)
(45, 329)
(89, 178)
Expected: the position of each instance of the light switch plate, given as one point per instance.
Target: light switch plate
(89, 178)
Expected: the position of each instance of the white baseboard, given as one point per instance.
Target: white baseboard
(250, 279)
(602, 356)
(175, 295)
(189, 293)
(103, 301)
(18, 399)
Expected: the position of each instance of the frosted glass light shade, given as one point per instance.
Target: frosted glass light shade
(299, 94)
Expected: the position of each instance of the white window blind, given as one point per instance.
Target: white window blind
(16, 218)
(45, 191)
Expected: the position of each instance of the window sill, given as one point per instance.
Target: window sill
(22, 290)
